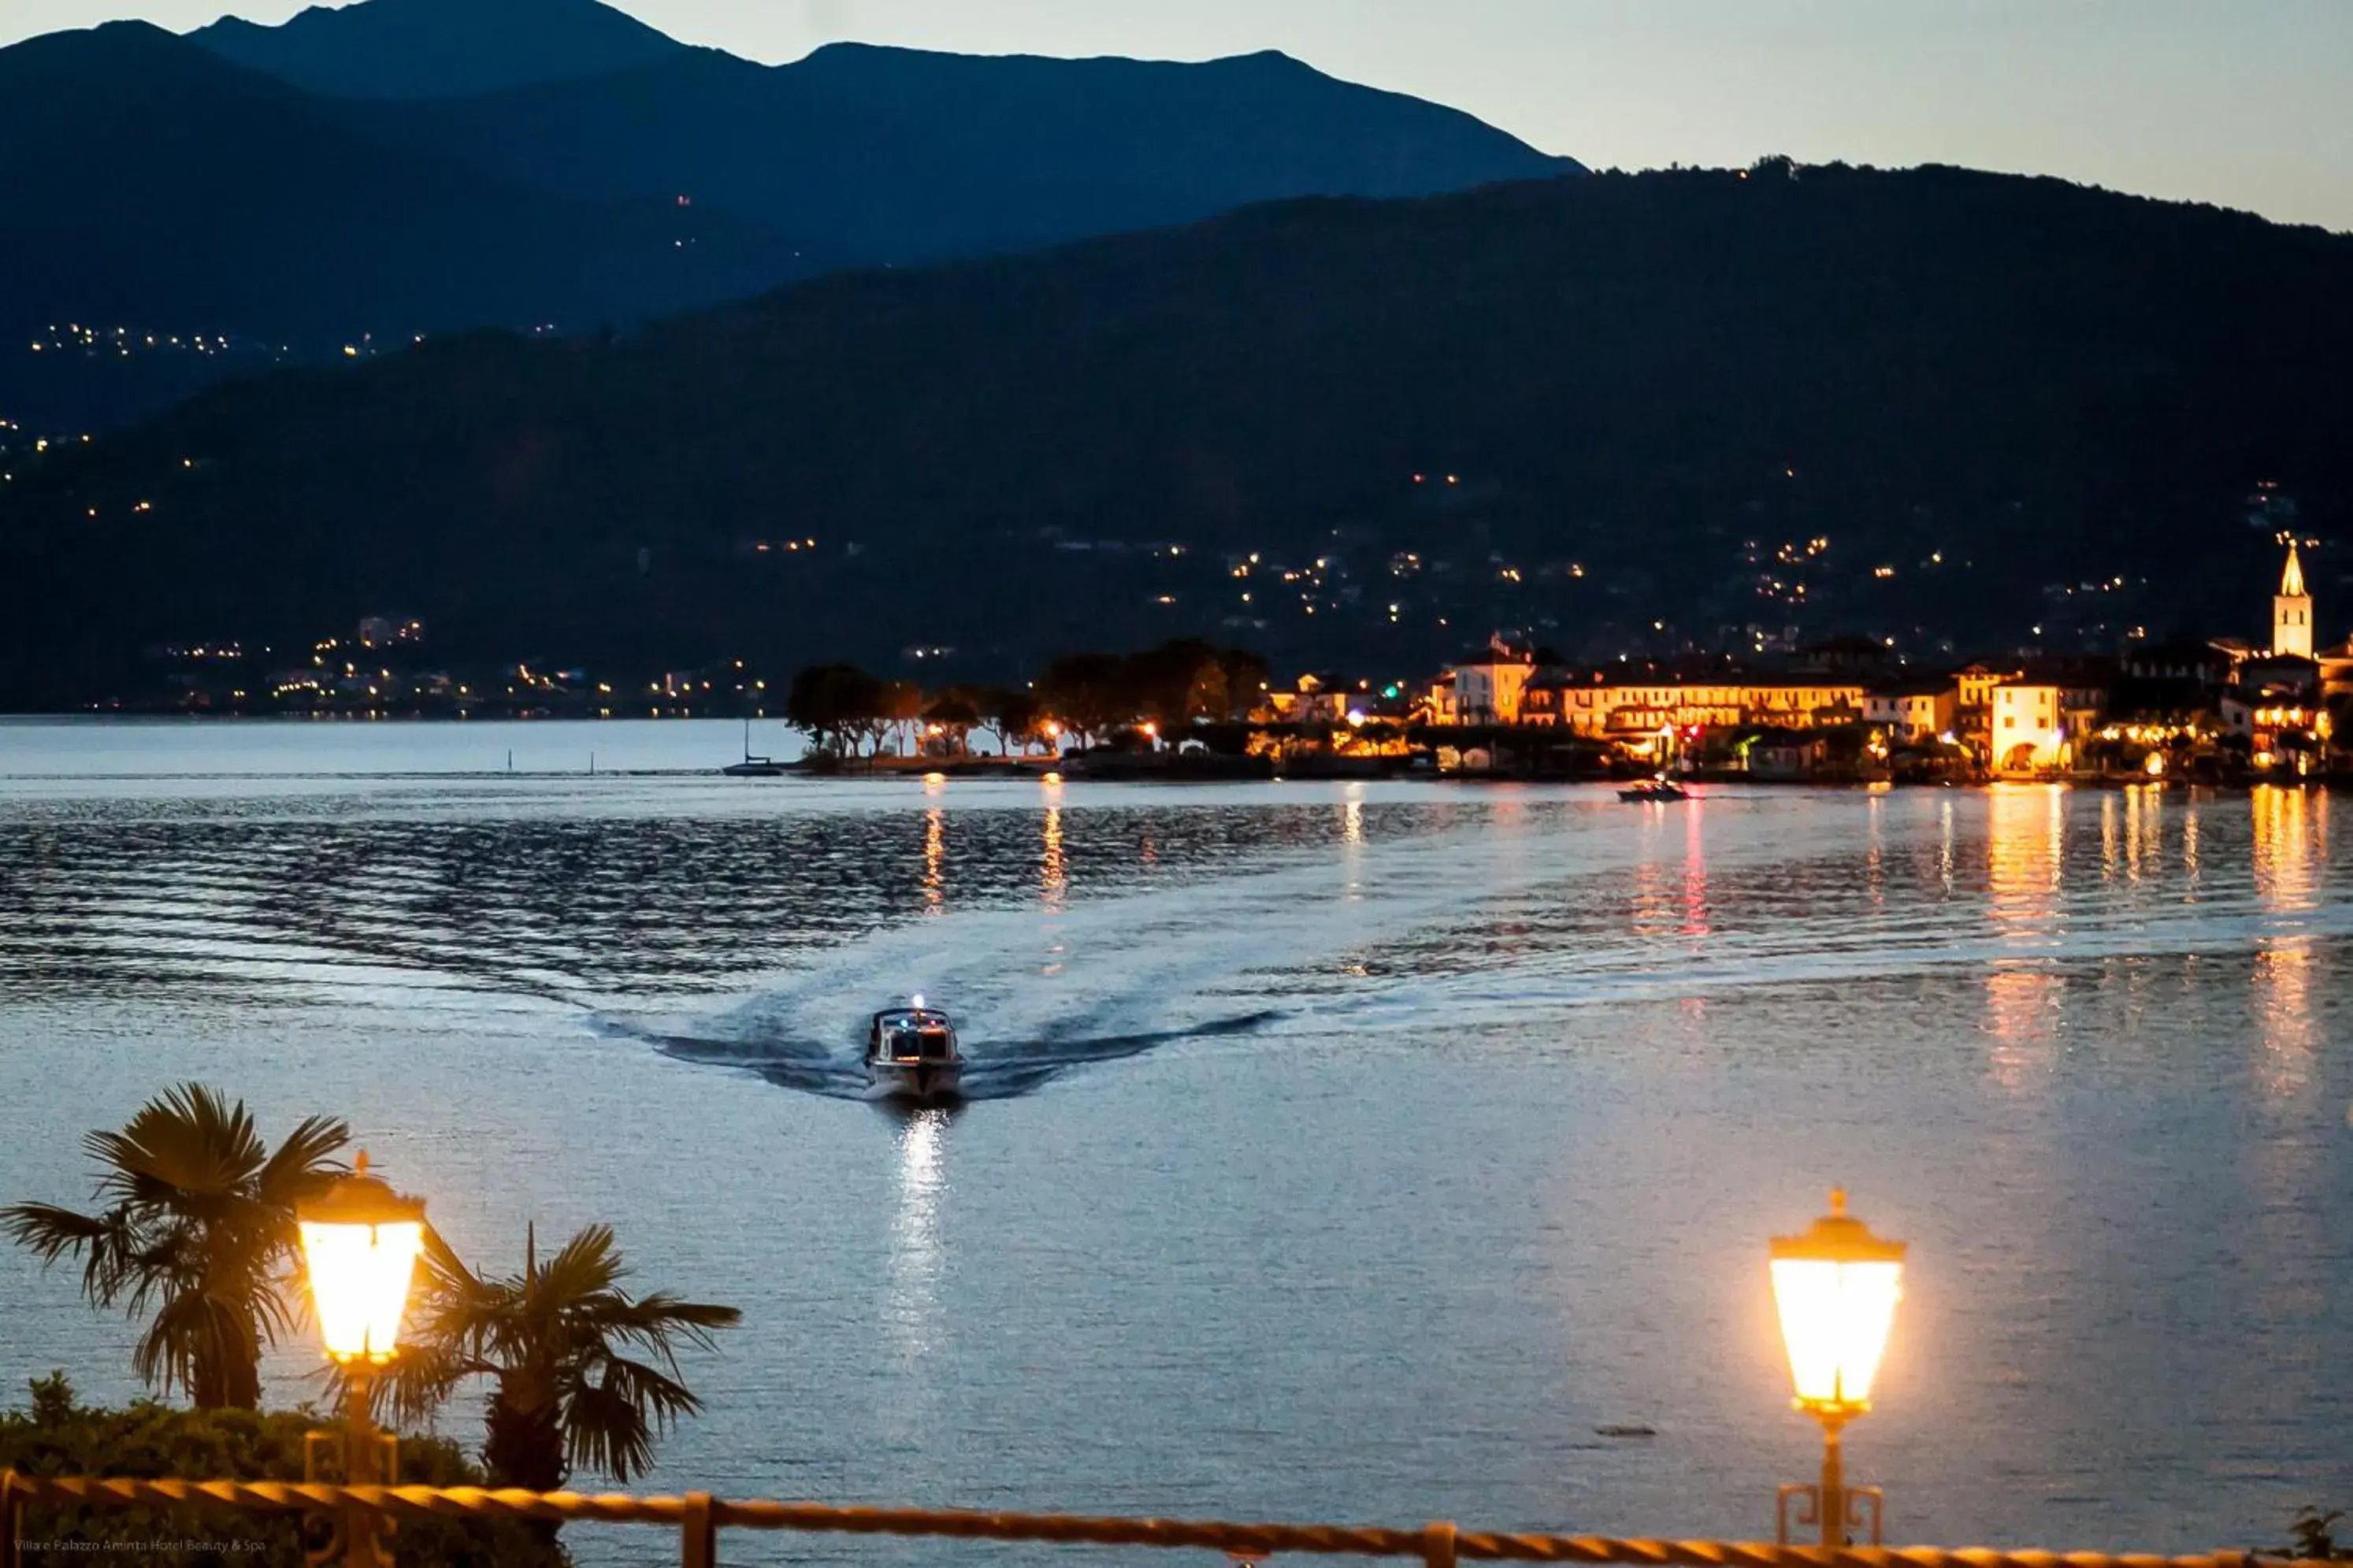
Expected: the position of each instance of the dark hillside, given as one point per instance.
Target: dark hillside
(1646, 412)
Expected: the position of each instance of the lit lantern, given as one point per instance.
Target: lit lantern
(360, 1240)
(1836, 1286)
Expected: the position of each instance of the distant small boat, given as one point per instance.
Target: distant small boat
(911, 1054)
(1661, 790)
(753, 767)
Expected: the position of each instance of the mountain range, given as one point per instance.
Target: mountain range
(1646, 411)
(358, 176)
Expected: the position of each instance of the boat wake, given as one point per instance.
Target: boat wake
(1315, 941)
(994, 1069)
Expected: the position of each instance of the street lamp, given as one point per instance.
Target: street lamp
(1836, 1287)
(359, 1242)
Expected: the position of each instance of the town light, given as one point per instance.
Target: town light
(1835, 1287)
(359, 1242)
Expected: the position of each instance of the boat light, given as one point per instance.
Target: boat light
(917, 1001)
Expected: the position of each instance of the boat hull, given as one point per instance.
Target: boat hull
(922, 1082)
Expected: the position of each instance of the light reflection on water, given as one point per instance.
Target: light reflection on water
(913, 1309)
(1356, 1151)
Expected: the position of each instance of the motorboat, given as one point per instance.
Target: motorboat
(1661, 790)
(911, 1054)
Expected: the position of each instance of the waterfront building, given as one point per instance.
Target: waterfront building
(1633, 710)
(2040, 720)
(1973, 688)
(1437, 705)
(2336, 669)
(1545, 700)
(1315, 699)
(1488, 683)
(2183, 660)
(1913, 711)
(2277, 701)
(2292, 612)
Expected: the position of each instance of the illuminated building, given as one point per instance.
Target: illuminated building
(2292, 612)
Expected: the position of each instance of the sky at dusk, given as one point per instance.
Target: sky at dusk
(2243, 103)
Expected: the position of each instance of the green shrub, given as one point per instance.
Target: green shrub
(57, 1436)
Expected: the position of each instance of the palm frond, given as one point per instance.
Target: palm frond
(110, 1245)
(663, 1325)
(305, 1164)
(188, 1143)
(656, 1394)
(583, 1266)
(605, 1429)
(50, 1232)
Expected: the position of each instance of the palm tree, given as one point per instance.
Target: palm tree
(199, 1227)
(553, 1341)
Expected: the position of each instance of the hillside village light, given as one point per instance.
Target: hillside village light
(359, 1242)
(1836, 1287)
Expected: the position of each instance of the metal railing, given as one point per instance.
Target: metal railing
(698, 1518)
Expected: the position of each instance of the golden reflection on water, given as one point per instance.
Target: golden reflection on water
(935, 849)
(1695, 921)
(2026, 849)
(1657, 907)
(1874, 855)
(1053, 885)
(2290, 828)
(1052, 880)
(2026, 842)
(2132, 833)
(2144, 832)
(1944, 846)
(1352, 845)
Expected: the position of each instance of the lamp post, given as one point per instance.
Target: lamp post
(359, 1242)
(1836, 1287)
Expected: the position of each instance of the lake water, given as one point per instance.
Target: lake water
(1340, 1152)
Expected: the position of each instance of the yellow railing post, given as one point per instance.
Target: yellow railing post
(1437, 1544)
(698, 1533)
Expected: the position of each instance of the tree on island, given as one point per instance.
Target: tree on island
(1011, 715)
(834, 705)
(1172, 684)
(583, 1374)
(198, 1227)
(1088, 692)
(900, 707)
(1246, 676)
(1186, 680)
(953, 716)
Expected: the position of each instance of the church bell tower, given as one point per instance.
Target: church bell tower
(2292, 612)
